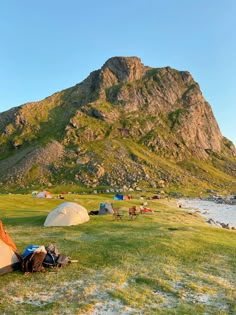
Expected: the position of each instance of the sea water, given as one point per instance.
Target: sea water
(222, 213)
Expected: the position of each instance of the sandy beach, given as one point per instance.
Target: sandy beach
(220, 213)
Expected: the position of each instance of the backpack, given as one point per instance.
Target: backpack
(33, 262)
(53, 257)
(50, 260)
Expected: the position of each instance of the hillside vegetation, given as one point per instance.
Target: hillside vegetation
(125, 125)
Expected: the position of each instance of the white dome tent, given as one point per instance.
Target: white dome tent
(66, 214)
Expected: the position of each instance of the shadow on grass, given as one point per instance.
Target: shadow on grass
(26, 221)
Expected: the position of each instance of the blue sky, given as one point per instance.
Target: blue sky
(50, 45)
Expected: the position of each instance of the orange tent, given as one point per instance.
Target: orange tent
(9, 258)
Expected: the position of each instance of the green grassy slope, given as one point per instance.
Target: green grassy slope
(167, 262)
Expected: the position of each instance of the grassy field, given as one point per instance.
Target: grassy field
(166, 262)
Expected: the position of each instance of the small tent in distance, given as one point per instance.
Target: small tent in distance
(66, 214)
(121, 197)
(106, 208)
(9, 258)
(43, 194)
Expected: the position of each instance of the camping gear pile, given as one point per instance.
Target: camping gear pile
(35, 258)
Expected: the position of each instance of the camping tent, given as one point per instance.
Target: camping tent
(9, 259)
(67, 213)
(118, 197)
(121, 197)
(106, 208)
(43, 194)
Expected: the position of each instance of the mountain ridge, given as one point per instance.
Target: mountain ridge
(125, 108)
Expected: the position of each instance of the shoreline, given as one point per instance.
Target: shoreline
(219, 214)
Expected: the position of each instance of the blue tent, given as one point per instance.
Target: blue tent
(118, 197)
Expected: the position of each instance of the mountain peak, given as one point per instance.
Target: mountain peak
(125, 68)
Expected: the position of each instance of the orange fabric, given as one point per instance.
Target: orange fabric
(6, 238)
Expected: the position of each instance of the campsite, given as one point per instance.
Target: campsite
(165, 262)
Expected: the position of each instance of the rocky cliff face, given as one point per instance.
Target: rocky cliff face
(124, 108)
(169, 101)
